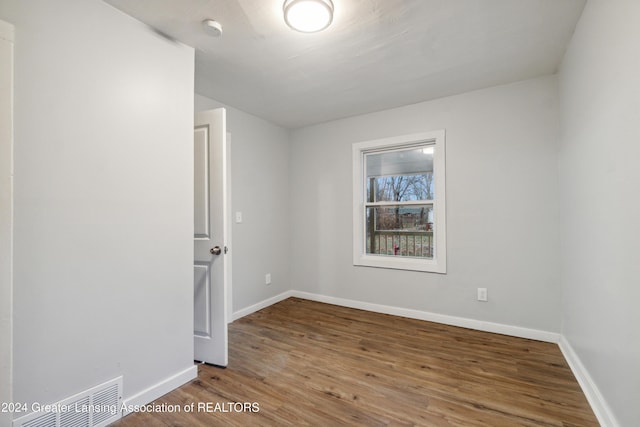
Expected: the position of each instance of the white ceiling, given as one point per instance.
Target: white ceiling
(377, 54)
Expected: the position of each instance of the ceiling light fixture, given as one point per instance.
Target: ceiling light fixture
(211, 27)
(308, 16)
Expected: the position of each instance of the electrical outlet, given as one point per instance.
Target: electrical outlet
(267, 279)
(482, 294)
(238, 217)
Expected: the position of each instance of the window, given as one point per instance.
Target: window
(399, 203)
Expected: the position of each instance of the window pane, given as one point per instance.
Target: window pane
(399, 218)
(405, 231)
(399, 176)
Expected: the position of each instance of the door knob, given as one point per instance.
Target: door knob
(215, 250)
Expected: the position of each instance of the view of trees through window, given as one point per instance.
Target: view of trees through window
(401, 188)
(399, 206)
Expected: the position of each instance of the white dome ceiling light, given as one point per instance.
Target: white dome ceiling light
(308, 16)
(211, 27)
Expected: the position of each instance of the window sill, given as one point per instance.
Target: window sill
(397, 263)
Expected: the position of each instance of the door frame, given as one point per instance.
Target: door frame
(228, 224)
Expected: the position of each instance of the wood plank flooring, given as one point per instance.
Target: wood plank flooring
(310, 364)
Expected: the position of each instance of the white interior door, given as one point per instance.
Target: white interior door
(210, 239)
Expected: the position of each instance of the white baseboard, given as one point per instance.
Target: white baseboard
(464, 322)
(596, 400)
(262, 304)
(160, 389)
(480, 325)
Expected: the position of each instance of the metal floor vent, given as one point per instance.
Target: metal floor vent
(96, 407)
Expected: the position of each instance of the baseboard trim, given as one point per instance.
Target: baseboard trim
(262, 304)
(480, 325)
(596, 400)
(160, 389)
(463, 322)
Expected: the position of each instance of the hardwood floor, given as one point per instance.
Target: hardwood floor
(311, 364)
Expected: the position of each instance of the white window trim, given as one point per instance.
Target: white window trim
(360, 258)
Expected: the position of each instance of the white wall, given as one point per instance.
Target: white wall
(600, 183)
(260, 190)
(6, 208)
(502, 207)
(103, 200)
